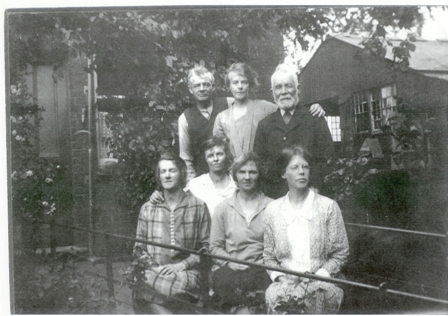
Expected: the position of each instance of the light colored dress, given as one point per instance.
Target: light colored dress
(305, 240)
(240, 133)
(203, 188)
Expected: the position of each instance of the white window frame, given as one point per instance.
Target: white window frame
(334, 125)
(379, 103)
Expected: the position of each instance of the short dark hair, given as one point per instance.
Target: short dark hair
(178, 162)
(245, 70)
(220, 142)
(242, 160)
(286, 155)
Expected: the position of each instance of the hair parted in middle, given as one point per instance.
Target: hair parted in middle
(245, 70)
(286, 155)
(242, 160)
(178, 162)
(220, 142)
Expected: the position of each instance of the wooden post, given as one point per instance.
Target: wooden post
(109, 271)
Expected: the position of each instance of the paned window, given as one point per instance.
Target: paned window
(334, 126)
(373, 107)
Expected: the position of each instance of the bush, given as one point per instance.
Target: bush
(39, 190)
(45, 284)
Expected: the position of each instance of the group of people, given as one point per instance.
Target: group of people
(237, 155)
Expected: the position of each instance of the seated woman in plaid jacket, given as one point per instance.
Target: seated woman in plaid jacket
(180, 220)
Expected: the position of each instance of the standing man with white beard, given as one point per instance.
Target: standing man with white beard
(291, 124)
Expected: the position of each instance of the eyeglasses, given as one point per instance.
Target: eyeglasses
(303, 167)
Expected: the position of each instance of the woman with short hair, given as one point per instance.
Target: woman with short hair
(304, 232)
(237, 232)
(238, 124)
(181, 220)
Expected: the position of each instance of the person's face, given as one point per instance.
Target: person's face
(169, 175)
(239, 86)
(201, 88)
(247, 176)
(297, 173)
(284, 90)
(216, 158)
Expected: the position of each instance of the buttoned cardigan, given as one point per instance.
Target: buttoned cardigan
(329, 247)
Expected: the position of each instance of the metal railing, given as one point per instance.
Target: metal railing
(381, 287)
(398, 230)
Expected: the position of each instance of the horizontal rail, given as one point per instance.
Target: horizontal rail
(380, 288)
(399, 230)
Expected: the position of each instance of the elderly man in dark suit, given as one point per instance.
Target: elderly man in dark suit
(291, 124)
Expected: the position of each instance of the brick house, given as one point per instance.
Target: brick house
(359, 91)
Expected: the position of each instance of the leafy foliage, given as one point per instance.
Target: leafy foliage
(347, 174)
(141, 132)
(144, 55)
(39, 190)
(408, 129)
(52, 285)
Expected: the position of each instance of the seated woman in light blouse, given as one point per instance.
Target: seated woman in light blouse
(214, 186)
(237, 232)
(304, 232)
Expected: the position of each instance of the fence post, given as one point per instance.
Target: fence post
(109, 271)
(383, 290)
(52, 237)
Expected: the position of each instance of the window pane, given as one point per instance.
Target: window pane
(334, 126)
(104, 134)
(361, 107)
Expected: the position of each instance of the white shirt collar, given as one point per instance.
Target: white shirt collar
(307, 209)
(282, 112)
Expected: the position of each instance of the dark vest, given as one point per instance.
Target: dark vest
(201, 129)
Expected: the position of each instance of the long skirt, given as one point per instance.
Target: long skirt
(304, 296)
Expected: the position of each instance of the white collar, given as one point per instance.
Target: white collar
(307, 209)
(282, 112)
(208, 109)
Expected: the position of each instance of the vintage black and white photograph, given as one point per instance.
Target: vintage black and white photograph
(227, 159)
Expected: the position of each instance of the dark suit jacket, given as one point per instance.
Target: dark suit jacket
(305, 130)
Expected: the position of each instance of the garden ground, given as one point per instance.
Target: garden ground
(419, 271)
(123, 297)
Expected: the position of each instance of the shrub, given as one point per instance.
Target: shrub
(47, 284)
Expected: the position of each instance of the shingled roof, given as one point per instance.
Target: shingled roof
(429, 58)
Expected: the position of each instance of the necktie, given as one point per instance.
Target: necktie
(206, 114)
(287, 117)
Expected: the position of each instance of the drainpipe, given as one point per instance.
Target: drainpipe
(90, 98)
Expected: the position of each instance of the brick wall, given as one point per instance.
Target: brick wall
(106, 212)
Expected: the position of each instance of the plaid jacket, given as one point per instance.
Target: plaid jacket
(188, 226)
